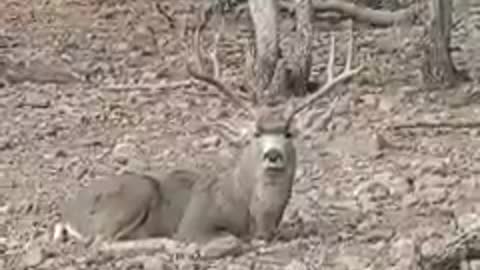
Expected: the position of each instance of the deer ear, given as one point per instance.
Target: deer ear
(291, 132)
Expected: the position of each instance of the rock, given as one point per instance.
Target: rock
(369, 100)
(409, 200)
(433, 166)
(123, 152)
(386, 44)
(225, 246)
(468, 221)
(5, 209)
(187, 265)
(474, 264)
(440, 181)
(155, 263)
(237, 266)
(35, 100)
(212, 141)
(375, 235)
(351, 262)
(33, 257)
(120, 47)
(295, 265)
(377, 189)
(5, 143)
(402, 251)
(433, 195)
(386, 104)
(400, 186)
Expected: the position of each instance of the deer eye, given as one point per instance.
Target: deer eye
(288, 135)
(256, 134)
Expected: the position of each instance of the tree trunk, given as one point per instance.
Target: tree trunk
(438, 68)
(277, 75)
(264, 15)
(300, 63)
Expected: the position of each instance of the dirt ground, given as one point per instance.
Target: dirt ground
(368, 185)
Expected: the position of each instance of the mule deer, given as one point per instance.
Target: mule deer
(242, 202)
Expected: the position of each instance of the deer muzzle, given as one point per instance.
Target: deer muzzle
(273, 152)
(274, 159)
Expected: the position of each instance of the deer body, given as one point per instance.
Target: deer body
(129, 206)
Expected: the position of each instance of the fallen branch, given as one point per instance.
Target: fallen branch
(420, 124)
(148, 87)
(376, 17)
(379, 18)
(153, 244)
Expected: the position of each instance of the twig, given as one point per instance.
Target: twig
(421, 124)
(148, 87)
(164, 13)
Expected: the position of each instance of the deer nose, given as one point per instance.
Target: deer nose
(273, 156)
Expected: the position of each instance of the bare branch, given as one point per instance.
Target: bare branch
(212, 80)
(332, 81)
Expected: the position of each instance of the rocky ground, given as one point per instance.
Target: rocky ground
(370, 185)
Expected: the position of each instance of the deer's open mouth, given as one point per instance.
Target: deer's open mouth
(274, 160)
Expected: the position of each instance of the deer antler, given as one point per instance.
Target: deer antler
(332, 81)
(212, 80)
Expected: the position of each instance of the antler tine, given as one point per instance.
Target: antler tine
(213, 80)
(332, 81)
(249, 68)
(196, 47)
(331, 58)
(348, 64)
(214, 52)
(213, 56)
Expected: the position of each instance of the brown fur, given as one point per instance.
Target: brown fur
(188, 204)
(129, 206)
(244, 201)
(247, 201)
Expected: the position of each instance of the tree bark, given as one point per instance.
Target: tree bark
(438, 67)
(300, 63)
(264, 15)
